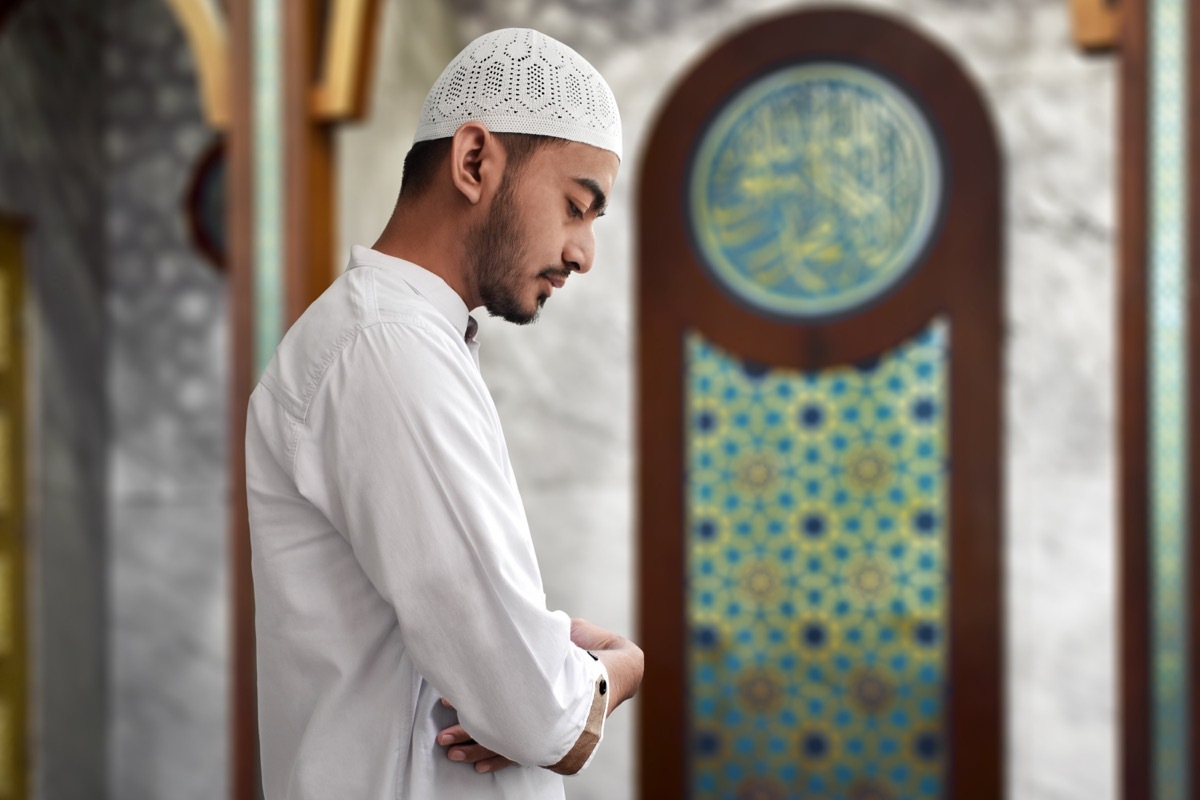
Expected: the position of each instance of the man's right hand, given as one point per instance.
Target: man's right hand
(622, 659)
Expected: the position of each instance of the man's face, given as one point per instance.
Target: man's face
(539, 228)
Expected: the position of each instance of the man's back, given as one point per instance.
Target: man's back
(389, 544)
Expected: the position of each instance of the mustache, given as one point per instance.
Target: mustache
(561, 272)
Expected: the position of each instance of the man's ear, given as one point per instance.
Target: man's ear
(476, 161)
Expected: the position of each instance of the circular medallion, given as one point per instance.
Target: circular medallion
(815, 189)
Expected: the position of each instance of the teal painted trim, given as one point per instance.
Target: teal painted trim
(1168, 396)
(268, 181)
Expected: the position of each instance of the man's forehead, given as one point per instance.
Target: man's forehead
(585, 165)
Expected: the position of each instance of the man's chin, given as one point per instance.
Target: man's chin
(517, 316)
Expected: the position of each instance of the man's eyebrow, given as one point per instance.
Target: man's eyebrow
(599, 199)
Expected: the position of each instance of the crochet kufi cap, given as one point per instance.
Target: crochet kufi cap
(518, 80)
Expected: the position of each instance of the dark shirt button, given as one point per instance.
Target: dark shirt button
(603, 686)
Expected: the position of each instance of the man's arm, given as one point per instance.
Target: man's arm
(412, 463)
(624, 662)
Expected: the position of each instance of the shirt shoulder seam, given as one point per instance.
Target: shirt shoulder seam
(299, 421)
(345, 341)
(285, 406)
(277, 394)
(375, 296)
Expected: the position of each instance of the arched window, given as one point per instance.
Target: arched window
(820, 451)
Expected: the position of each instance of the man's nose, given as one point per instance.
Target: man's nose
(580, 252)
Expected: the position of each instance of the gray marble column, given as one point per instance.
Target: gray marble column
(52, 174)
(167, 379)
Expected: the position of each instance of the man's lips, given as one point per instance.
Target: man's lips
(556, 281)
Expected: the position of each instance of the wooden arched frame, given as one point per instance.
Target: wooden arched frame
(959, 279)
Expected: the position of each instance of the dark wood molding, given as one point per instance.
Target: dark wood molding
(960, 277)
(206, 241)
(244, 783)
(308, 216)
(14, 544)
(1136, 756)
(7, 7)
(662, 712)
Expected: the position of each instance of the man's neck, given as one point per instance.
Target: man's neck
(427, 240)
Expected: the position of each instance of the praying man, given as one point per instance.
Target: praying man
(404, 645)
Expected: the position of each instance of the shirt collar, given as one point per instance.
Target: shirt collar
(425, 283)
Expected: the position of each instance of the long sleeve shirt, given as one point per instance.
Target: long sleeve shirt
(393, 565)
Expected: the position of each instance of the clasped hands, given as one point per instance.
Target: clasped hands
(622, 660)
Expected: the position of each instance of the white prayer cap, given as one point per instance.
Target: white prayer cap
(518, 80)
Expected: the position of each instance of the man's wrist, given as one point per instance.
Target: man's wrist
(624, 665)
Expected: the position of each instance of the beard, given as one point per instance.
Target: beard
(495, 253)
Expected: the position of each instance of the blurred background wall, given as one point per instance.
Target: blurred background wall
(100, 131)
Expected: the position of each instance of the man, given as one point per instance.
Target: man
(404, 644)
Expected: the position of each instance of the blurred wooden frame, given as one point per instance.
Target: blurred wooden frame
(6, 9)
(346, 55)
(207, 30)
(14, 639)
(1094, 24)
(341, 91)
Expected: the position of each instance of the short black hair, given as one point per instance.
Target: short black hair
(424, 158)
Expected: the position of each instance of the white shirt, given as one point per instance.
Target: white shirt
(393, 564)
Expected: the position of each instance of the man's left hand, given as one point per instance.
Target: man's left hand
(462, 748)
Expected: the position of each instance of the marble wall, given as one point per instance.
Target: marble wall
(565, 386)
(168, 387)
(52, 175)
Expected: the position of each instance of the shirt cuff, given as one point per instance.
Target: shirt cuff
(580, 754)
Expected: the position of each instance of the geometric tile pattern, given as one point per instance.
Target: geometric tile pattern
(816, 574)
(1169, 403)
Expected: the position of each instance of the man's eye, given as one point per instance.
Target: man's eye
(574, 209)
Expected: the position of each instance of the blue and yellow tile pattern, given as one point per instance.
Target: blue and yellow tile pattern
(816, 561)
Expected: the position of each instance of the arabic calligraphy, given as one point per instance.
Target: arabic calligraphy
(815, 189)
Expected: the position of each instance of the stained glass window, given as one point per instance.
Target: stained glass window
(816, 563)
